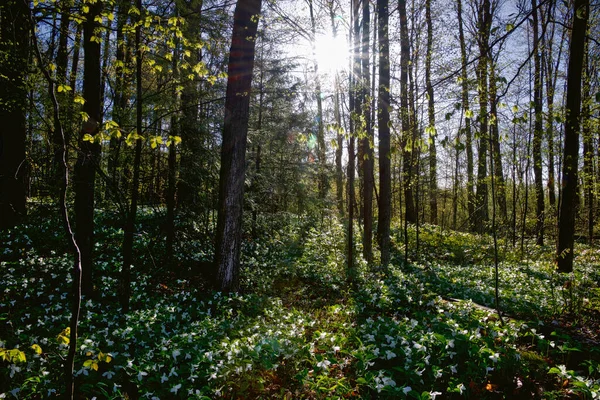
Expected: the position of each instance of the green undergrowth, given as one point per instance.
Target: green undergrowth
(298, 329)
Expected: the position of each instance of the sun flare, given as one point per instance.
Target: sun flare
(332, 53)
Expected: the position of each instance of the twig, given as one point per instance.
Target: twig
(69, 364)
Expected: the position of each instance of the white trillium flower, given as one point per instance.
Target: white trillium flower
(108, 374)
(175, 388)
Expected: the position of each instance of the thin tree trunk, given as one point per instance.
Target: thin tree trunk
(321, 149)
(68, 129)
(62, 60)
(408, 146)
(233, 150)
(135, 182)
(588, 152)
(367, 151)
(481, 197)
(77, 267)
(431, 118)
(339, 173)
(537, 129)
(468, 115)
(354, 104)
(258, 160)
(500, 185)
(566, 224)
(383, 122)
(547, 63)
(89, 151)
(192, 151)
(120, 94)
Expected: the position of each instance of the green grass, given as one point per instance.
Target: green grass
(297, 329)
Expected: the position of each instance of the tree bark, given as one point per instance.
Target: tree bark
(89, 151)
(354, 105)
(408, 145)
(537, 129)
(14, 50)
(339, 173)
(588, 151)
(431, 118)
(62, 60)
(367, 151)
(192, 149)
(172, 163)
(321, 150)
(483, 34)
(467, 114)
(566, 223)
(119, 111)
(500, 185)
(233, 150)
(385, 183)
(135, 182)
(547, 62)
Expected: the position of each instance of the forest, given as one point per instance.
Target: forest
(299, 199)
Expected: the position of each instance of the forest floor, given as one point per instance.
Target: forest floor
(424, 329)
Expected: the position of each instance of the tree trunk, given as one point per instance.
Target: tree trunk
(467, 114)
(367, 151)
(385, 184)
(89, 151)
(354, 105)
(431, 118)
(499, 183)
(62, 60)
(119, 112)
(135, 182)
(14, 50)
(547, 62)
(68, 126)
(566, 223)
(233, 150)
(192, 151)
(538, 129)
(258, 159)
(408, 146)
(321, 150)
(588, 150)
(481, 197)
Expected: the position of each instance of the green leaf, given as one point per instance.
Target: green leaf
(63, 337)
(131, 138)
(155, 141)
(173, 140)
(36, 348)
(63, 88)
